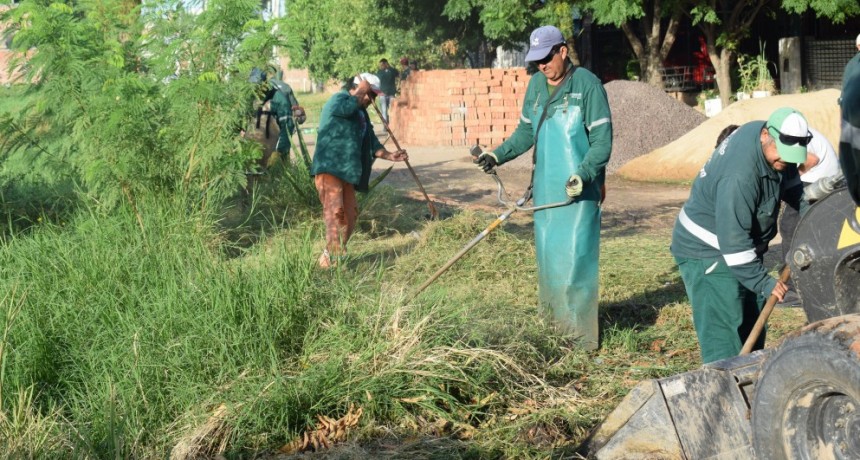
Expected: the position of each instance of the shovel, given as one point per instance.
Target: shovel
(784, 275)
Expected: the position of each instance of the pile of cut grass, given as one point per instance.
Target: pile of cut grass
(139, 345)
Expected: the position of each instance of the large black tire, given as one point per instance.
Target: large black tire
(807, 401)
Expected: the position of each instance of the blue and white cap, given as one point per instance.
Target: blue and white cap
(541, 42)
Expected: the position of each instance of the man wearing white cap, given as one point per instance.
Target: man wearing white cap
(345, 152)
(821, 162)
(725, 226)
(565, 117)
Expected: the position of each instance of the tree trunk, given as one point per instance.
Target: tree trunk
(571, 52)
(721, 60)
(733, 24)
(723, 74)
(653, 51)
(638, 49)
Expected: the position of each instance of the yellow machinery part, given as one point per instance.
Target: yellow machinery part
(849, 236)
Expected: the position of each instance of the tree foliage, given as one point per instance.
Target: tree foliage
(725, 23)
(508, 23)
(130, 101)
(340, 38)
(835, 10)
(650, 26)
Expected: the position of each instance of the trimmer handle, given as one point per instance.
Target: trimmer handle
(475, 151)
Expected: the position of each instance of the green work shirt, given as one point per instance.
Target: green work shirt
(849, 143)
(388, 80)
(732, 209)
(346, 142)
(582, 90)
(281, 107)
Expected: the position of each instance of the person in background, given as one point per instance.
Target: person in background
(821, 161)
(345, 152)
(726, 132)
(724, 228)
(404, 64)
(565, 117)
(288, 113)
(388, 82)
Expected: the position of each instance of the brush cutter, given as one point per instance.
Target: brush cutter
(512, 208)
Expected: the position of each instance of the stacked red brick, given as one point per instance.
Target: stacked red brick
(459, 107)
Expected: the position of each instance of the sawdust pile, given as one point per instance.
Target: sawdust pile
(645, 118)
(682, 159)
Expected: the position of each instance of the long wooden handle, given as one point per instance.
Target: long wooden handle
(471, 244)
(433, 213)
(784, 275)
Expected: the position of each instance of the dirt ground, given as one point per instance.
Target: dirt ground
(450, 178)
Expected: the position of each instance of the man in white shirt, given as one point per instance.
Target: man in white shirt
(821, 161)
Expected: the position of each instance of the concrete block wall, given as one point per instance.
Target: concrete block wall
(459, 107)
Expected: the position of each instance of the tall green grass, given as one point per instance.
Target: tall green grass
(130, 334)
(129, 343)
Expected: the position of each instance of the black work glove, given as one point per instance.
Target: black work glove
(488, 162)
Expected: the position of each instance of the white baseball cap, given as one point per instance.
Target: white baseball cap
(370, 78)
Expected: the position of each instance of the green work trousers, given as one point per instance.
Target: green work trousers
(724, 311)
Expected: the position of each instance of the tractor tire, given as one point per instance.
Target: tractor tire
(807, 400)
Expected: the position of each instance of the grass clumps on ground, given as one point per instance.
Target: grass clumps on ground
(169, 341)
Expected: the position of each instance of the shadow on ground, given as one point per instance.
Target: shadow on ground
(642, 309)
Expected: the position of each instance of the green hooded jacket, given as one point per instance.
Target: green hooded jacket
(345, 141)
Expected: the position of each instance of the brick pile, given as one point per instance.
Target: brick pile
(459, 107)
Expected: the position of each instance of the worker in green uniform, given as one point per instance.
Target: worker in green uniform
(345, 152)
(725, 226)
(566, 118)
(288, 114)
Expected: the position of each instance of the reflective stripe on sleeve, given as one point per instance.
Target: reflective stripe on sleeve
(597, 123)
(709, 238)
(524, 119)
(740, 258)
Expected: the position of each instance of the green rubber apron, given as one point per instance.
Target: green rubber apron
(567, 239)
